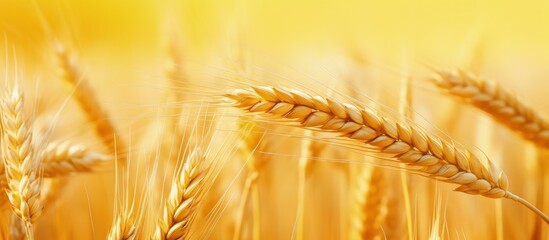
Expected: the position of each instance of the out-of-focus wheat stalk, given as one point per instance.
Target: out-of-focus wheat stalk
(405, 110)
(87, 100)
(505, 108)
(303, 165)
(22, 167)
(369, 204)
(251, 136)
(500, 104)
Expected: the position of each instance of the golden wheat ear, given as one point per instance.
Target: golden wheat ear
(22, 167)
(426, 154)
(64, 158)
(369, 200)
(180, 209)
(498, 103)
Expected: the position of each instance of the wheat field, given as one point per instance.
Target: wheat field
(261, 119)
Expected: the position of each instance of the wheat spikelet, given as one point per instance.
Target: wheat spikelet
(425, 154)
(64, 158)
(123, 229)
(181, 203)
(500, 104)
(87, 100)
(21, 165)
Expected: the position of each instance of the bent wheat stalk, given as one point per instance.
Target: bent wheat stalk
(87, 100)
(21, 164)
(425, 154)
(181, 204)
(500, 104)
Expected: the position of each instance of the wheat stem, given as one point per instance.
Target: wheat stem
(248, 187)
(405, 110)
(527, 204)
(251, 142)
(303, 163)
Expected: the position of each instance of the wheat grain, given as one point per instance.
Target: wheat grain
(21, 164)
(500, 104)
(182, 202)
(251, 136)
(425, 154)
(123, 229)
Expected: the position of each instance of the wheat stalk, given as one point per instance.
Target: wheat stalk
(406, 111)
(251, 139)
(182, 202)
(425, 154)
(500, 104)
(21, 164)
(87, 100)
(309, 150)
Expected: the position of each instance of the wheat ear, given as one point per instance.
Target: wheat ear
(87, 100)
(60, 159)
(500, 104)
(425, 154)
(504, 108)
(369, 203)
(64, 158)
(21, 165)
(181, 204)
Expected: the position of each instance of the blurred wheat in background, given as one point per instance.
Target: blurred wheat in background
(245, 119)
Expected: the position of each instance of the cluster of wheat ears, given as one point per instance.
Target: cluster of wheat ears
(207, 174)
